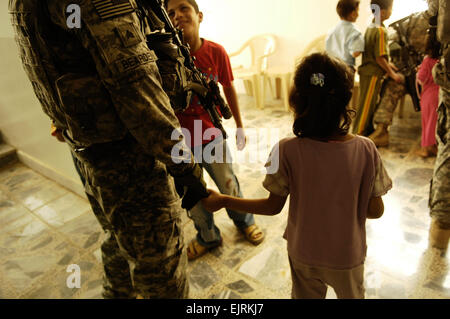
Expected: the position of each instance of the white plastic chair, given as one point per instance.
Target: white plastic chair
(284, 75)
(316, 45)
(261, 47)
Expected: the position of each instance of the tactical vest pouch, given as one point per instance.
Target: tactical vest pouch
(443, 29)
(32, 61)
(174, 74)
(90, 115)
(446, 55)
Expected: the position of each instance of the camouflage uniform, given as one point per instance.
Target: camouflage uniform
(415, 28)
(100, 84)
(440, 187)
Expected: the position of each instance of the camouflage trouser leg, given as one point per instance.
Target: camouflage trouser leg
(440, 185)
(154, 249)
(135, 200)
(150, 239)
(390, 96)
(116, 278)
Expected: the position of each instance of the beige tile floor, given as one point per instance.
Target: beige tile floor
(44, 228)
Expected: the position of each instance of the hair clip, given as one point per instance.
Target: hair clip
(318, 79)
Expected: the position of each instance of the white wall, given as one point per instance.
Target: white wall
(26, 127)
(229, 22)
(22, 122)
(294, 22)
(5, 25)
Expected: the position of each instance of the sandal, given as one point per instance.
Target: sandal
(195, 250)
(254, 234)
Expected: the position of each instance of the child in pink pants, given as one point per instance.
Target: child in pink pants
(429, 100)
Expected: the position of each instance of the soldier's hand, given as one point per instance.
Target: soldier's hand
(59, 137)
(56, 132)
(241, 139)
(393, 67)
(213, 202)
(398, 77)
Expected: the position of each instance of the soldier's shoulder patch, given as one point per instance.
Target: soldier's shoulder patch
(108, 9)
(129, 35)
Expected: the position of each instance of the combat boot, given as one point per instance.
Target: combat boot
(381, 135)
(438, 236)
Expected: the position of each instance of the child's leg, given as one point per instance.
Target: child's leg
(223, 176)
(370, 87)
(305, 283)
(348, 283)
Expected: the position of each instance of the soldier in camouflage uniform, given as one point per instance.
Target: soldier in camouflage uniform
(415, 27)
(101, 87)
(440, 186)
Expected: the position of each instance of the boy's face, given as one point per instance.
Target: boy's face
(354, 15)
(386, 13)
(183, 16)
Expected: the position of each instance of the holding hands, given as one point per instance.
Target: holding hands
(214, 201)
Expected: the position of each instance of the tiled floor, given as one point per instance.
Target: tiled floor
(44, 228)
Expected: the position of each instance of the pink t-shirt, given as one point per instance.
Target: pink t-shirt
(330, 185)
(213, 61)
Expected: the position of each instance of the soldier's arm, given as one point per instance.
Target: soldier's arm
(128, 70)
(433, 6)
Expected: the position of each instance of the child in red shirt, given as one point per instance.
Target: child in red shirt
(213, 61)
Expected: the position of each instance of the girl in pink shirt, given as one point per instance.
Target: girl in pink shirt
(429, 99)
(335, 181)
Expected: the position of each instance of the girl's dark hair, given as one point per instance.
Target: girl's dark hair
(433, 47)
(320, 106)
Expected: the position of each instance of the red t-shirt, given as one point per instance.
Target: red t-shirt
(214, 63)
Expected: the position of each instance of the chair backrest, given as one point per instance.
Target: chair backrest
(316, 45)
(261, 47)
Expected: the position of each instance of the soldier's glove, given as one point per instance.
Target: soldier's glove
(191, 188)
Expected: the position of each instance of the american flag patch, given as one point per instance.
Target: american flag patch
(112, 8)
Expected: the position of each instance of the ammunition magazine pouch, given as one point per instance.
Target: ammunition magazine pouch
(90, 114)
(175, 76)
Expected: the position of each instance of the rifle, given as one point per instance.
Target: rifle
(208, 93)
(412, 59)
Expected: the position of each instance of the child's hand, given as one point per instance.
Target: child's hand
(241, 139)
(213, 202)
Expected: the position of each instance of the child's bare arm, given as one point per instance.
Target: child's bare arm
(232, 100)
(263, 206)
(376, 208)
